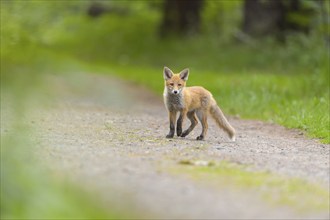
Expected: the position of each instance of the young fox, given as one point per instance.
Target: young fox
(191, 101)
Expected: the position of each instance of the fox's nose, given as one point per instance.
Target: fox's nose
(175, 92)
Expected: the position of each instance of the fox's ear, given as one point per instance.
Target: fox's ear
(184, 74)
(167, 73)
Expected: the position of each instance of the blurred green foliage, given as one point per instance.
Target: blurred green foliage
(29, 192)
(284, 83)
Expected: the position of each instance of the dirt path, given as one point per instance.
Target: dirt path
(109, 136)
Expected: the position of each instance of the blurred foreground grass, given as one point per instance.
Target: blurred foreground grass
(29, 189)
(286, 84)
(27, 192)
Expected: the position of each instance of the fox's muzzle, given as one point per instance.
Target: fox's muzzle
(176, 91)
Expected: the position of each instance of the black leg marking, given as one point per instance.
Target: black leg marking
(179, 126)
(200, 138)
(171, 133)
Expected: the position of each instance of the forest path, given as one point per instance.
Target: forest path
(109, 136)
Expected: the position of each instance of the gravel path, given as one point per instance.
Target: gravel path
(109, 136)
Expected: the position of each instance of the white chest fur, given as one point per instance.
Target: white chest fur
(173, 102)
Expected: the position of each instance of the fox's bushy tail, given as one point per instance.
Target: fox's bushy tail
(221, 121)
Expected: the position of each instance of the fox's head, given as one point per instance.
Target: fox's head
(174, 83)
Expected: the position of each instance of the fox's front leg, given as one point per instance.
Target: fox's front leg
(180, 122)
(172, 117)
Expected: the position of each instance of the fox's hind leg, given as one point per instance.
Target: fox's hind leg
(192, 117)
(202, 116)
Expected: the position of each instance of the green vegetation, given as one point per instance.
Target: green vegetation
(283, 83)
(296, 193)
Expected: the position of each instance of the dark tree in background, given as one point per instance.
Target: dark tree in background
(261, 18)
(181, 17)
(276, 17)
(99, 8)
(325, 21)
(96, 9)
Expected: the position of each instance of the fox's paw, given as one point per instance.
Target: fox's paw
(200, 138)
(185, 133)
(179, 132)
(169, 136)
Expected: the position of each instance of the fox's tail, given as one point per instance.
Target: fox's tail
(221, 121)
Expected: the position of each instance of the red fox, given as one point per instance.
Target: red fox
(191, 101)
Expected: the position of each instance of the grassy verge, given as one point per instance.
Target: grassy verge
(303, 197)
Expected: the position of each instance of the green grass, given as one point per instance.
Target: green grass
(277, 190)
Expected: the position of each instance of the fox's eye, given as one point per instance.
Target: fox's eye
(171, 84)
(179, 84)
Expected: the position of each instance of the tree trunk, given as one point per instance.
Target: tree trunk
(275, 17)
(262, 17)
(181, 17)
(325, 20)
